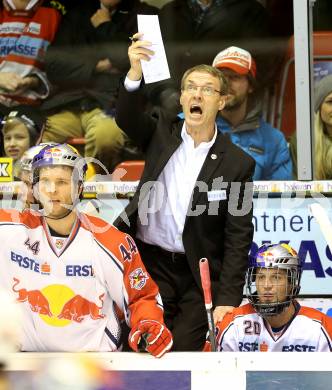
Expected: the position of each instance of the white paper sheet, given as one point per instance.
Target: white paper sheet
(157, 68)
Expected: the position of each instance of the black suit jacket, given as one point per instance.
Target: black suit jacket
(216, 234)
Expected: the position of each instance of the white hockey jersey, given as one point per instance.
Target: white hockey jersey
(244, 330)
(73, 291)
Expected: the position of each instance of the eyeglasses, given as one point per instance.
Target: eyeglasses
(206, 90)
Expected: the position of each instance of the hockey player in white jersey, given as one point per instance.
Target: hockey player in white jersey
(74, 275)
(25, 172)
(274, 320)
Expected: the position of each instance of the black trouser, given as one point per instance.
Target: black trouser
(184, 310)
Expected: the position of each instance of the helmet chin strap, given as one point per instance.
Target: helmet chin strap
(271, 309)
(57, 218)
(75, 203)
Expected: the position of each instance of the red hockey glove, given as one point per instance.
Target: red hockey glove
(158, 338)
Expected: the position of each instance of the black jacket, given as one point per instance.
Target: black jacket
(72, 58)
(223, 238)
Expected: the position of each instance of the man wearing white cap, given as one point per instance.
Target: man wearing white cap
(242, 117)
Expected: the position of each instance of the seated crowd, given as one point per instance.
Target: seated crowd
(66, 82)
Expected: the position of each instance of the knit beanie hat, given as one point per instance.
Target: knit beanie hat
(322, 89)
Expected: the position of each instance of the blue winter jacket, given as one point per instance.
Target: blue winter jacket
(264, 143)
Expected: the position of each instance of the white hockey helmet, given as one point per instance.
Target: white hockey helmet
(61, 155)
(28, 155)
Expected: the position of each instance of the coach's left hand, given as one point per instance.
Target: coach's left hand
(220, 311)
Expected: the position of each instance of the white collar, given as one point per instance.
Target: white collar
(188, 139)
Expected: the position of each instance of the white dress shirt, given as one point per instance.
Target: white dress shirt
(168, 201)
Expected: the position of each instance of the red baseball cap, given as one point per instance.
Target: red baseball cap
(236, 59)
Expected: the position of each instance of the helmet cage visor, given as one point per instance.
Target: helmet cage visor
(289, 276)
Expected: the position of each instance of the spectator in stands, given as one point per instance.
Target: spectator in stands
(27, 30)
(85, 64)
(242, 117)
(184, 207)
(322, 132)
(195, 30)
(19, 134)
(273, 320)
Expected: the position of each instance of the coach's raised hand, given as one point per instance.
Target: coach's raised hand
(138, 51)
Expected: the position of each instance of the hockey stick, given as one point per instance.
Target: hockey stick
(143, 344)
(323, 221)
(206, 285)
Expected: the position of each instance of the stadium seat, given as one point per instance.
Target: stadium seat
(283, 112)
(128, 170)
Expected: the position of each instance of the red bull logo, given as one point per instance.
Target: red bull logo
(58, 305)
(53, 150)
(52, 153)
(36, 299)
(264, 258)
(78, 307)
(267, 254)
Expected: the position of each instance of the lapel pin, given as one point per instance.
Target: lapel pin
(213, 156)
